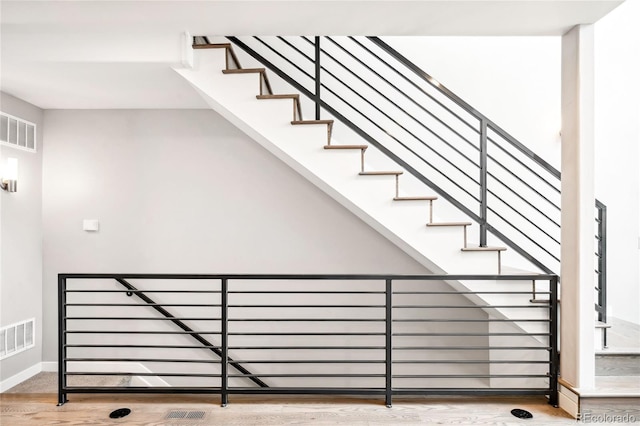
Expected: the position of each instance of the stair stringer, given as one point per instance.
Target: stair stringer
(268, 122)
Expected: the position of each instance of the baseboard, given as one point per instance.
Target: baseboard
(16, 379)
(52, 366)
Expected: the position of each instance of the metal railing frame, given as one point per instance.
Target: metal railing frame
(485, 125)
(226, 288)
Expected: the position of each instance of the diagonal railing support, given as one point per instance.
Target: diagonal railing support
(222, 354)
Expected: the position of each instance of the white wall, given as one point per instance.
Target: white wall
(617, 130)
(185, 191)
(515, 81)
(21, 240)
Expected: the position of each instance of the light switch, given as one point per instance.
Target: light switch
(90, 225)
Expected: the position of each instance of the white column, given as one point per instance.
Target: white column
(577, 361)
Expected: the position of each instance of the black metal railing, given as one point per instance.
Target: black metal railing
(381, 335)
(432, 133)
(601, 267)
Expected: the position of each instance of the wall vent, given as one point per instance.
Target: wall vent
(17, 133)
(17, 337)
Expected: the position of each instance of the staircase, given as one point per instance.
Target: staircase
(343, 170)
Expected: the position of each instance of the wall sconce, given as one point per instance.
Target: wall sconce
(9, 179)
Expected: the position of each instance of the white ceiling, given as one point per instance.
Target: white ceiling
(118, 54)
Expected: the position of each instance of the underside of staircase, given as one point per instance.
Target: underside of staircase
(245, 97)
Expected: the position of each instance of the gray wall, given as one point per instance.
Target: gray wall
(185, 191)
(21, 240)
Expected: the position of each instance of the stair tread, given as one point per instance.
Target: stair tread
(483, 248)
(312, 122)
(600, 324)
(539, 300)
(346, 146)
(418, 198)
(449, 224)
(212, 46)
(244, 71)
(280, 96)
(379, 173)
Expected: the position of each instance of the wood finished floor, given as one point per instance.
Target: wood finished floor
(150, 410)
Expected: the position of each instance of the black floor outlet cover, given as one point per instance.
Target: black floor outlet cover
(521, 414)
(119, 413)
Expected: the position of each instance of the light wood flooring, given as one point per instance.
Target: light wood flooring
(41, 409)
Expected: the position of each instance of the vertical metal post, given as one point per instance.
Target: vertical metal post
(388, 342)
(602, 278)
(554, 360)
(317, 81)
(224, 333)
(483, 182)
(62, 340)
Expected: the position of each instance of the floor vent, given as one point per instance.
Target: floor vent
(17, 337)
(183, 414)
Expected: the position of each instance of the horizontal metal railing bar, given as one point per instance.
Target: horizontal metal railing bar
(498, 180)
(283, 57)
(327, 375)
(311, 361)
(468, 376)
(306, 306)
(288, 43)
(524, 216)
(305, 347)
(470, 391)
(469, 348)
(144, 291)
(194, 305)
(311, 277)
(74, 345)
(517, 194)
(468, 306)
(144, 318)
(464, 105)
(306, 319)
(444, 194)
(524, 234)
(303, 292)
(440, 138)
(469, 334)
(411, 99)
(143, 389)
(464, 361)
(307, 391)
(397, 140)
(450, 111)
(121, 373)
(170, 360)
(308, 333)
(470, 292)
(552, 186)
(470, 320)
(137, 332)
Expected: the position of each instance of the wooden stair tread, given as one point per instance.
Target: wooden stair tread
(600, 324)
(449, 224)
(244, 71)
(484, 249)
(425, 198)
(380, 173)
(312, 122)
(282, 96)
(212, 46)
(544, 301)
(363, 147)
